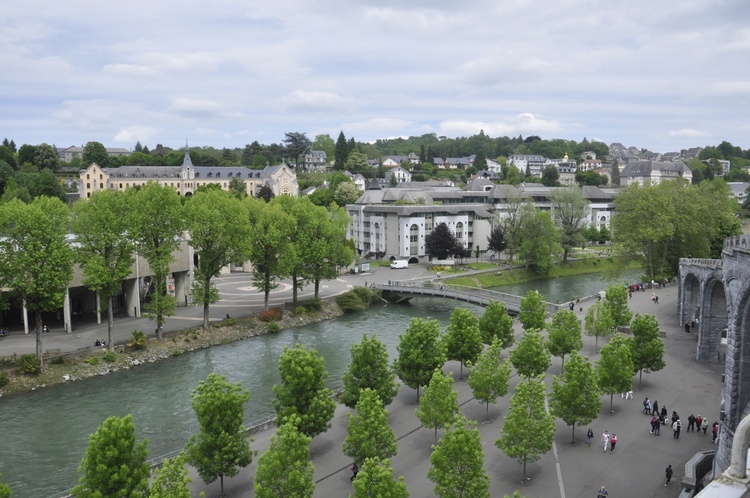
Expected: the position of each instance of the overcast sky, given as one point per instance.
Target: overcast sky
(659, 74)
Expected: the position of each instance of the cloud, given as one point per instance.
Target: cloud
(525, 123)
(687, 133)
(306, 100)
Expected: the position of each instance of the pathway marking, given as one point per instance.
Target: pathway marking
(554, 452)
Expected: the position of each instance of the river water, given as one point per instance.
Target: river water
(44, 434)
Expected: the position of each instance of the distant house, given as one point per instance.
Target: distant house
(358, 180)
(590, 164)
(534, 163)
(71, 152)
(567, 173)
(494, 166)
(393, 161)
(653, 172)
(589, 154)
(738, 191)
(488, 174)
(397, 175)
(315, 160)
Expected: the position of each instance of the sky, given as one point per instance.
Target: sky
(658, 74)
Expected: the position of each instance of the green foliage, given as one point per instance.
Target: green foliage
(532, 313)
(221, 447)
(529, 430)
(368, 432)
(4, 379)
(488, 377)
(496, 323)
(375, 478)
(564, 334)
(458, 463)
(496, 240)
(285, 468)
(274, 327)
(303, 391)
(357, 299)
(646, 347)
(110, 356)
(537, 240)
(6, 492)
(571, 211)
(369, 369)
(439, 404)
(462, 341)
(28, 364)
(598, 322)
(91, 360)
(137, 340)
(531, 358)
(614, 370)
(419, 353)
(171, 479)
(440, 243)
(114, 465)
(95, 152)
(616, 303)
(575, 395)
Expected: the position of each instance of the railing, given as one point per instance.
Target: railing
(708, 263)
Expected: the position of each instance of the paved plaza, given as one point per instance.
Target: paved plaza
(636, 468)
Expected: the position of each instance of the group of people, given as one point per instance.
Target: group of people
(100, 343)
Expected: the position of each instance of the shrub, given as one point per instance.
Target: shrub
(110, 356)
(274, 327)
(28, 364)
(227, 322)
(271, 315)
(4, 379)
(357, 299)
(58, 360)
(93, 360)
(137, 340)
(313, 305)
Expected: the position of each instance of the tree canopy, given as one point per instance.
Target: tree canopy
(575, 394)
(420, 352)
(285, 468)
(564, 335)
(462, 340)
(488, 377)
(494, 323)
(369, 369)
(530, 357)
(439, 404)
(614, 370)
(440, 243)
(457, 463)
(368, 432)
(646, 346)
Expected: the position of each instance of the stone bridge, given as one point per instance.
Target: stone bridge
(716, 292)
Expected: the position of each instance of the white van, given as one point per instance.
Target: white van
(400, 263)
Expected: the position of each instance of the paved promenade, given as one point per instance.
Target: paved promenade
(635, 469)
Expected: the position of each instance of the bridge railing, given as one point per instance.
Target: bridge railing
(706, 263)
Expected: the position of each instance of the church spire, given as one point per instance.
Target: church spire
(187, 162)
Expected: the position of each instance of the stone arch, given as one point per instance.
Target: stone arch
(691, 298)
(714, 320)
(738, 352)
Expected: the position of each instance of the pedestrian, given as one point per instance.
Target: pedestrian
(612, 443)
(675, 417)
(663, 415)
(676, 428)
(687, 327)
(646, 406)
(571, 306)
(704, 426)
(655, 426)
(691, 423)
(589, 436)
(655, 411)
(605, 440)
(698, 422)
(355, 470)
(669, 475)
(715, 431)
(656, 299)
(602, 493)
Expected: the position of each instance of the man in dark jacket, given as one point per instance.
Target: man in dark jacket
(669, 475)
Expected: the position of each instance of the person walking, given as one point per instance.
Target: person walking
(355, 470)
(602, 493)
(698, 422)
(676, 427)
(663, 415)
(589, 437)
(646, 406)
(612, 443)
(605, 440)
(704, 426)
(655, 426)
(675, 417)
(655, 410)
(669, 476)
(691, 423)
(715, 431)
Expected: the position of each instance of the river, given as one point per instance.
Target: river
(44, 434)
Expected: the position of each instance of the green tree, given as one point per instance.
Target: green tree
(462, 341)
(512, 221)
(221, 448)
(571, 211)
(368, 432)
(646, 347)
(420, 352)
(496, 241)
(488, 377)
(325, 248)
(531, 358)
(439, 405)
(357, 162)
(346, 193)
(171, 479)
(480, 161)
(7, 155)
(538, 240)
(614, 370)
(45, 157)
(342, 153)
(598, 323)
(494, 323)
(102, 225)
(265, 193)
(458, 463)
(285, 468)
(36, 261)
(238, 187)
(532, 312)
(6, 492)
(575, 394)
(615, 174)
(550, 176)
(297, 144)
(375, 478)
(528, 431)
(564, 335)
(219, 227)
(6, 175)
(159, 223)
(325, 143)
(616, 303)
(271, 251)
(303, 391)
(114, 465)
(369, 369)
(440, 243)
(44, 183)
(95, 152)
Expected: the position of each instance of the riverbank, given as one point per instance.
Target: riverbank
(93, 362)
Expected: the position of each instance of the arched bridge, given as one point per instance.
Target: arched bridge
(403, 290)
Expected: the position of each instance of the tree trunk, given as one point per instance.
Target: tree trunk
(611, 398)
(565, 255)
(206, 304)
(573, 440)
(562, 369)
(317, 287)
(221, 479)
(110, 324)
(487, 412)
(39, 350)
(640, 378)
(294, 291)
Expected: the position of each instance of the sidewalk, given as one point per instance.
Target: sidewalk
(635, 469)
